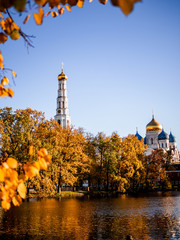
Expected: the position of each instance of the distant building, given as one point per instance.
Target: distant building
(157, 138)
(62, 110)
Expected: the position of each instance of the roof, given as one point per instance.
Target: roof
(138, 136)
(171, 138)
(163, 135)
(153, 125)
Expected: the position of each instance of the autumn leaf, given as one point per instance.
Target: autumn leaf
(47, 13)
(4, 81)
(1, 16)
(31, 150)
(22, 190)
(80, 3)
(125, 5)
(19, 5)
(15, 34)
(41, 2)
(103, 1)
(61, 11)
(12, 163)
(14, 74)
(53, 3)
(17, 200)
(1, 61)
(54, 14)
(26, 19)
(6, 205)
(10, 92)
(1, 174)
(68, 8)
(39, 16)
(3, 38)
(43, 164)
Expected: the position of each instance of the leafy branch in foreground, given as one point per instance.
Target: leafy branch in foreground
(12, 187)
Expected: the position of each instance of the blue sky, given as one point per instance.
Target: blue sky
(119, 67)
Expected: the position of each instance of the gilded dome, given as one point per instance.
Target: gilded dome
(153, 125)
(62, 76)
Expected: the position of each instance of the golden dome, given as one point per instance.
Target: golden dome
(153, 125)
(62, 76)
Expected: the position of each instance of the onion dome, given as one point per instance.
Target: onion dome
(138, 136)
(62, 76)
(153, 125)
(171, 138)
(163, 135)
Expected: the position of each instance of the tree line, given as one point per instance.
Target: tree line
(108, 162)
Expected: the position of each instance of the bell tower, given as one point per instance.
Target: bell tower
(62, 110)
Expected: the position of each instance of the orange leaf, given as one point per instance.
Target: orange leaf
(6, 205)
(1, 61)
(43, 164)
(30, 170)
(80, 3)
(14, 74)
(61, 11)
(54, 14)
(48, 13)
(12, 163)
(27, 18)
(4, 81)
(125, 5)
(68, 8)
(1, 175)
(10, 92)
(1, 16)
(16, 200)
(3, 37)
(31, 150)
(39, 16)
(22, 190)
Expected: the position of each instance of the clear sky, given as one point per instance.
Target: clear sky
(119, 67)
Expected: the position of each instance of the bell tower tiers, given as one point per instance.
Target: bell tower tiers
(62, 111)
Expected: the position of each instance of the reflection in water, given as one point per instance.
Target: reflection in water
(144, 217)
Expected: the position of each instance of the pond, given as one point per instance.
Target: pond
(153, 216)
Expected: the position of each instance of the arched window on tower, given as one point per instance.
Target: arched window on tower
(151, 140)
(162, 145)
(59, 121)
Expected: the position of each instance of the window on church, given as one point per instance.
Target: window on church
(166, 145)
(63, 104)
(162, 145)
(59, 121)
(151, 140)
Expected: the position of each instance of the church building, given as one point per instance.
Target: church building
(62, 110)
(157, 138)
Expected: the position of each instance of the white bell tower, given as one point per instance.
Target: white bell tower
(62, 111)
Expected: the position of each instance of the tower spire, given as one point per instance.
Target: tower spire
(62, 64)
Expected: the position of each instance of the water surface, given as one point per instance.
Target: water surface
(153, 216)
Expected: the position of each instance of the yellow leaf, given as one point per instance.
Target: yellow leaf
(22, 190)
(68, 8)
(43, 164)
(36, 165)
(31, 150)
(54, 14)
(3, 38)
(39, 16)
(30, 170)
(12, 163)
(80, 3)
(15, 34)
(26, 19)
(16, 200)
(1, 16)
(14, 74)
(4, 81)
(10, 92)
(6, 205)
